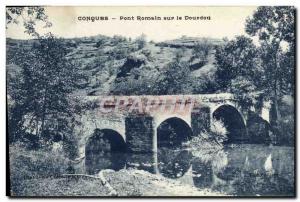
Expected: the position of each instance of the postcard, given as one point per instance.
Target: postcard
(148, 101)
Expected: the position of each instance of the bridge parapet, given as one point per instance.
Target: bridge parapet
(150, 104)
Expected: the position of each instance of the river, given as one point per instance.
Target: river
(236, 169)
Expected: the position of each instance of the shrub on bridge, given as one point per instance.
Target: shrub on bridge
(209, 143)
(218, 131)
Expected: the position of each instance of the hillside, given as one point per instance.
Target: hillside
(118, 65)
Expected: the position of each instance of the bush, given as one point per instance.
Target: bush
(180, 53)
(218, 131)
(175, 79)
(286, 133)
(29, 164)
(207, 144)
(284, 130)
(201, 50)
(70, 147)
(147, 53)
(71, 43)
(119, 52)
(117, 40)
(100, 43)
(141, 41)
(204, 84)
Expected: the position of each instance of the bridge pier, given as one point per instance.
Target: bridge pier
(139, 137)
(139, 133)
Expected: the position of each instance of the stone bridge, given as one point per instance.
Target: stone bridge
(139, 124)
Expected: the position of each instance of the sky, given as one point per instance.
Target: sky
(224, 22)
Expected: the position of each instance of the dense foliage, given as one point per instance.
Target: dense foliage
(256, 73)
(39, 95)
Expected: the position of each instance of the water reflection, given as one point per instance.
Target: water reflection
(253, 170)
(202, 173)
(143, 161)
(105, 149)
(244, 170)
(105, 160)
(173, 163)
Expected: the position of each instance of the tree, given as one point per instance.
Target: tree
(240, 72)
(175, 79)
(236, 58)
(42, 102)
(275, 27)
(201, 50)
(141, 41)
(29, 17)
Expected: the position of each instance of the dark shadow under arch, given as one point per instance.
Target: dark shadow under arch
(105, 149)
(173, 132)
(173, 160)
(234, 123)
(259, 130)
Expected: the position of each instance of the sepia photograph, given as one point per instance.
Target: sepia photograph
(150, 101)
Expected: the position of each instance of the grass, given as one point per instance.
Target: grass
(128, 182)
(59, 187)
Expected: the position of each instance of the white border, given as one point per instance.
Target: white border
(153, 2)
(113, 3)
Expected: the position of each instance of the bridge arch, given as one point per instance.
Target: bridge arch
(173, 132)
(105, 149)
(234, 123)
(173, 160)
(161, 117)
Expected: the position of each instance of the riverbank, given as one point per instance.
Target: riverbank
(130, 182)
